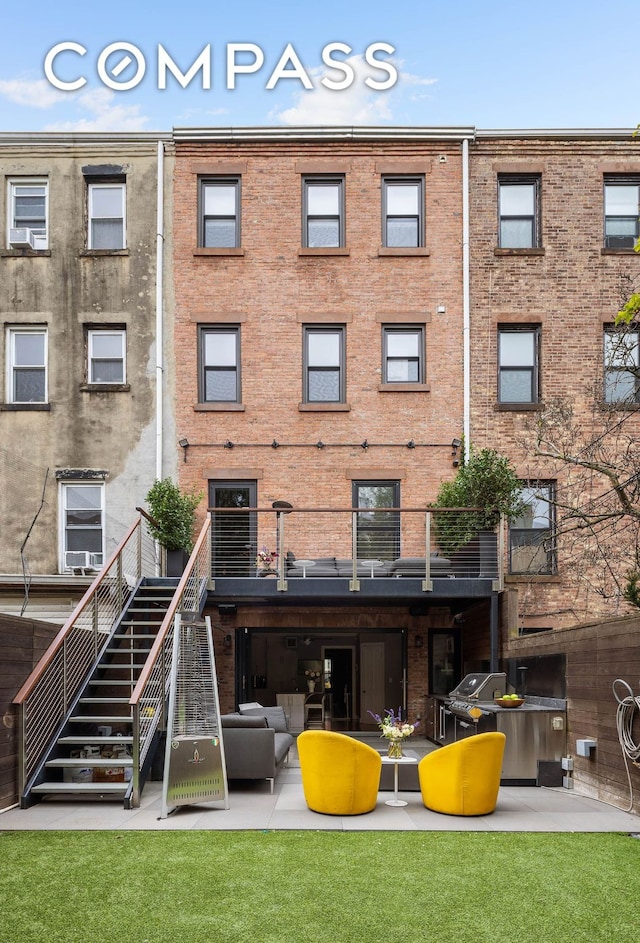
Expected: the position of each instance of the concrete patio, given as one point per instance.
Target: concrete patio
(253, 807)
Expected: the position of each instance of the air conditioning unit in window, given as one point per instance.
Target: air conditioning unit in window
(21, 238)
(82, 560)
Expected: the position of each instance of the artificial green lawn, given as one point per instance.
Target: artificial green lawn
(338, 887)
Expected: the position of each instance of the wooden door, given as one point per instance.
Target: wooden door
(372, 686)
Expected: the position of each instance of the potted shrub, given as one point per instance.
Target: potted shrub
(486, 481)
(173, 514)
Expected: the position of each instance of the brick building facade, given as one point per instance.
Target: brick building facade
(551, 262)
(332, 277)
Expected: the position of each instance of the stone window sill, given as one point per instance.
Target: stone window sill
(324, 407)
(105, 388)
(218, 251)
(25, 253)
(100, 253)
(25, 407)
(219, 408)
(518, 252)
(404, 388)
(403, 251)
(517, 407)
(328, 250)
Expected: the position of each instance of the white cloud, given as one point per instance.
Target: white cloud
(34, 93)
(104, 114)
(356, 105)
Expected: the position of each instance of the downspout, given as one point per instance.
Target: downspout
(466, 308)
(160, 311)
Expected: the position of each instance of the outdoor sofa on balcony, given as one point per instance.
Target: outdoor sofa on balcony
(343, 567)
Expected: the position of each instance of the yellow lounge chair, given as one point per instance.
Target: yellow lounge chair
(463, 778)
(340, 775)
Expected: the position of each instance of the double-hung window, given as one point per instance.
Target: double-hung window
(531, 545)
(324, 359)
(621, 212)
(219, 212)
(27, 365)
(107, 216)
(28, 212)
(106, 356)
(519, 211)
(323, 224)
(403, 354)
(621, 366)
(518, 371)
(82, 524)
(378, 524)
(220, 365)
(402, 212)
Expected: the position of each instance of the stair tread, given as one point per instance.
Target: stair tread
(97, 739)
(112, 665)
(89, 762)
(110, 683)
(104, 700)
(102, 718)
(80, 787)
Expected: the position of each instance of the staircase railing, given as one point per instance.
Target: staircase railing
(56, 681)
(149, 698)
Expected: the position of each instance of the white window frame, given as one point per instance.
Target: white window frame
(92, 359)
(91, 188)
(81, 559)
(13, 368)
(39, 239)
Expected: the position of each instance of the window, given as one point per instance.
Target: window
(106, 356)
(220, 212)
(518, 198)
(531, 548)
(324, 380)
(621, 212)
(82, 507)
(402, 212)
(323, 212)
(378, 536)
(28, 214)
(27, 365)
(621, 366)
(403, 354)
(518, 364)
(106, 203)
(220, 365)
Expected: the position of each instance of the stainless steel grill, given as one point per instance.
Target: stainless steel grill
(474, 690)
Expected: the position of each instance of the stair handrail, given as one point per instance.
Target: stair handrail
(48, 693)
(148, 699)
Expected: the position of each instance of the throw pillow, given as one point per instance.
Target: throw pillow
(275, 717)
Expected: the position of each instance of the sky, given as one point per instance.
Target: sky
(491, 65)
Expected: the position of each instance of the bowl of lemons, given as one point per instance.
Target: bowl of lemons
(510, 700)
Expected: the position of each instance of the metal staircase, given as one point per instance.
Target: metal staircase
(94, 754)
(108, 667)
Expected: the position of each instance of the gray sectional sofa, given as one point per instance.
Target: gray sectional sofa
(256, 743)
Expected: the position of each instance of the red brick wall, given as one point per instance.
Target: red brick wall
(571, 289)
(272, 291)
